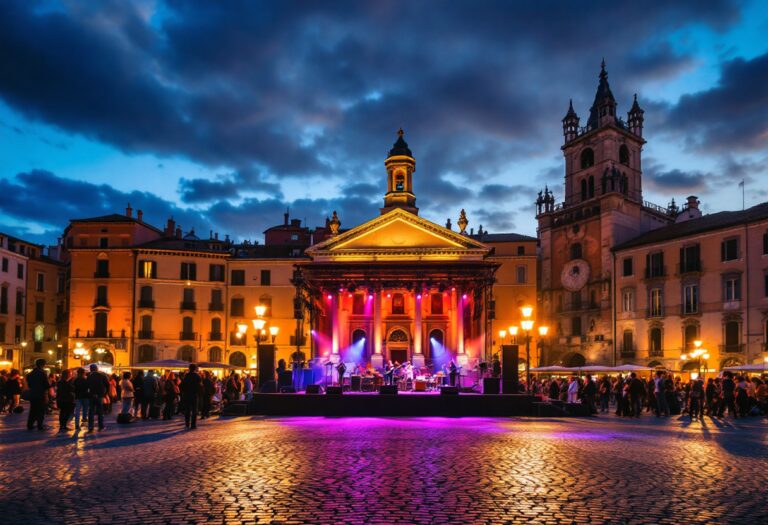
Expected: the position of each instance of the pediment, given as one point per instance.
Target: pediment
(398, 234)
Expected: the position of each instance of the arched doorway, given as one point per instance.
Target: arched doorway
(574, 360)
(397, 345)
(731, 361)
(104, 357)
(187, 353)
(237, 359)
(356, 352)
(146, 353)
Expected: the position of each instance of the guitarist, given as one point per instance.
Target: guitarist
(341, 368)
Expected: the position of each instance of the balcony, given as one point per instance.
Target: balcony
(101, 275)
(146, 303)
(215, 307)
(188, 306)
(732, 349)
(215, 336)
(656, 352)
(187, 336)
(629, 353)
(655, 272)
(145, 334)
(101, 303)
(690, 267)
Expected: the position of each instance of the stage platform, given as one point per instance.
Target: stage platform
(404, 404)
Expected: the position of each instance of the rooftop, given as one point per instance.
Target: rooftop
(503, 237)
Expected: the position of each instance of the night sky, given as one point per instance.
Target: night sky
(222, 114)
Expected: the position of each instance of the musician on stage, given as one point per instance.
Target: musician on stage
(341, 368)
(453, 372)
(408, 371)
(389, 371)
(496, 366)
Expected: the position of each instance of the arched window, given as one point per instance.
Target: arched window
(732, 336)
(358, 349)
(655, 342)
(591, 186)
(398, 336)
(214, 354)
(576, 252)
(187, 353)
(587, 158)
(624, 155)
(237, 359)
(100, 324)
(146, 353)
(399, 182)
(398, 304)
(583, 189)
(106, 357)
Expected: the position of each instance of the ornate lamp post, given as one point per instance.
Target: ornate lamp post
(543, 331)
(527, 325)
(502, 336)
(698, 354)
(513, 333)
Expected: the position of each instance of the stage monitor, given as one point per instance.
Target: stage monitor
(509, 369)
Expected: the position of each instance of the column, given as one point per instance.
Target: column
(377, 359)
(336, 324)
(418, 355)
(461, 357)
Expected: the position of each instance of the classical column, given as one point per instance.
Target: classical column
(377, 359)
(461, 357)
(418, 355)
(335, 336)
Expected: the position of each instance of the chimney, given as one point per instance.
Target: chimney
(178, 232)
(170, 226)
(693, 202)
(129, 210)
(210, 234)
(216, 236)
(285, 218)
(139, 215)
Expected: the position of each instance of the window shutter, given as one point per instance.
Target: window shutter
(154, 269)
(722, 251)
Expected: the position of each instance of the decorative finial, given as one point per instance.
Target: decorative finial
(602, 64)
(400, 132)
(462, 222)
(448, 223)
(335, 224)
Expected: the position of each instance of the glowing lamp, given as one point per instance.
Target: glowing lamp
(78, 344)
(239, 335)
(526, 324)
(543, 330)
(513, 331)
(273, 330)
(370, 297)
(697, 343)
(527, 311)
(418, 296)
(705, 356)
(242, 327)
(502, 333)
(258, 324)
(260, 310)
(683, 357)
(50, 352)
(389, 295)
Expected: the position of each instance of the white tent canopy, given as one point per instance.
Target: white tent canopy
(162, 364)
(590, 369)
(757, 367)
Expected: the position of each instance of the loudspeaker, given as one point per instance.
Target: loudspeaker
(355, 383)
(449, 391)
(287, 390)
(491, 385)
(124, 419)
(312, 389)
(284, 379)
(509, 378)
(333, 391)
(388, 390)
(266, 356)
(270, 387)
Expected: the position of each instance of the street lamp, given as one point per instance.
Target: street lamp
(513, 332)
(502, 336)
(273, 332)
(698, 354)
(543, 331)
(527, 325)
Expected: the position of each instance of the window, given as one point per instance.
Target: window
(104, 242)
(61, 283)
(583, 189)
(215, 329)
(358, 304)
(216, 273)
(655, 303)
(214, 354)
(100, 324)
(40, 282)
(2, 333)
(5, 264)
(20, 271)
(237, 277)
(628, 266)
(587, 158)
(145, 296)
(237, 307)
(146, 353)
(187, 324)
(654, 264)
(521, 277)
(765, 245)
(188, 271)
(624, 155)
(148, 269)
(3, 300)
(691, 299)
(398, 304)
(188, 299)
(101, 296)
(521, 250)
(591, 186)
(655, 342)
(732, 336)
(19, 302)
(765, 285)
(576, 252)
(102, 268)
(732, 288)
(294, 236)
(576, 326)
(17, 333)
(627, 344)
(689, 259)
(266, 301)
(39, 311)
(729, 249)
(266, 277)
(399, 182)
(216, 301)
(576, 300)
(628, 301)
(145, 332)
(436, 306)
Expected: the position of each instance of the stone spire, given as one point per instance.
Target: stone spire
(603, 110)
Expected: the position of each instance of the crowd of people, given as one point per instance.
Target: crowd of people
(86, 395)
(663, 394)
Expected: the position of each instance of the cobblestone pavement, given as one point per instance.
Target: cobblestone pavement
(384, 471)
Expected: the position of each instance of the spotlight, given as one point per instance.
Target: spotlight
(370, 297)
(418, 296)
(330, 297)
(464, 297)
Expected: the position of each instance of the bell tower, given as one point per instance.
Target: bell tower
(400, 166)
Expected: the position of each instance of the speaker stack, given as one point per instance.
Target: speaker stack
(449, 391)
(509, 378)
(333, 391)
(313, 389)
(388, 390)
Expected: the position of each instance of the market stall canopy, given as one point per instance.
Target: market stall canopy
(757, 367)
(552, 369)
(223, 366)
(163, 363)
(631, 368)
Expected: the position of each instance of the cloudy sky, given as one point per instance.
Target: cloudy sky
(222, 114)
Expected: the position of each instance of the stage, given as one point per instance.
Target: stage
(403, 404)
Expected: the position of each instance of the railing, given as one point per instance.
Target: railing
(215, 307)
(145, 334)
(690, 267)
(732, 348)
(628, 352)
(101, 275)
(659, 352)
(654, 312)
(188, 305)
(188, 336)
(655, 207)
(101, 303)
(146, 303)
(215, 336)
(689, 310)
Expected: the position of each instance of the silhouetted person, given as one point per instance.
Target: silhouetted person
(98, 387)
(37, 382)
(191, 390)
